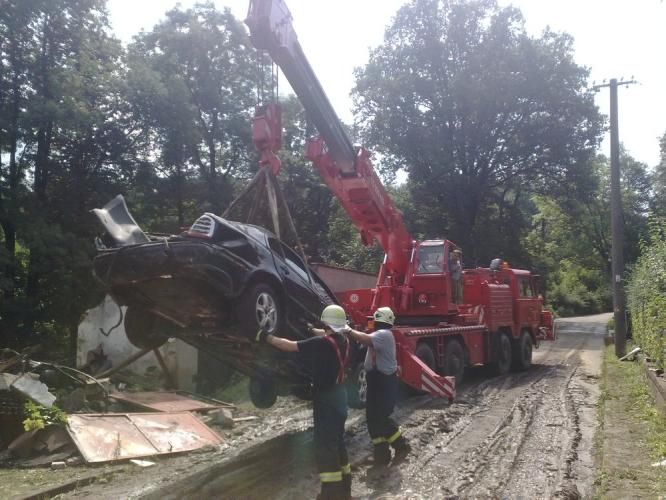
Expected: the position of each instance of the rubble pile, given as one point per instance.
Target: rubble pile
(57, 416)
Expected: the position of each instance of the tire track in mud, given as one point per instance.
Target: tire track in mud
(518, 436)
(515, 435)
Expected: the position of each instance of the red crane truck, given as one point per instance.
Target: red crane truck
(501, 315)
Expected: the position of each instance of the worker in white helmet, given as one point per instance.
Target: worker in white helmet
(327, 352)
(381, 374)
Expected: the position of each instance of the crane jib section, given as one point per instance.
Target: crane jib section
(347, 170)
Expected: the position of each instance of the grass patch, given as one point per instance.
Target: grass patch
(632, 433)
(642, 405)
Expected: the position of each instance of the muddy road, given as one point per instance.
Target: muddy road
(526, 435)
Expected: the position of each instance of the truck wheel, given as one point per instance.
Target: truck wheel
(425, 354)
(357, 386)
(454, 361)
(522, 352)
(263, 392)
(261, 305)
(502, 363)
(144, 329)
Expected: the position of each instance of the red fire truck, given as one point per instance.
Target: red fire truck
(500, 318)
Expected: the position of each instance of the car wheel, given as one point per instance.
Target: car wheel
(261, 308)
(263, 392)
(144, 329)
(454, 361)
(502, 363)
(357, 386)
(522, 352)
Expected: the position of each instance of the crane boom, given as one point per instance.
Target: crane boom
(346, 169)
(271, 30)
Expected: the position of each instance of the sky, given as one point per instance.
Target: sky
(613, 38)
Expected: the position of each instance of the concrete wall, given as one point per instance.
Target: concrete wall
(339, 279)
(180, 358)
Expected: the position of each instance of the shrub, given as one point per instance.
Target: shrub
(646, 294)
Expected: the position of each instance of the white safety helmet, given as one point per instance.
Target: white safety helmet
(334, 317)
(384, 315)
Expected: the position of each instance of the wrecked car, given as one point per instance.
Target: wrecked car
(213, 286)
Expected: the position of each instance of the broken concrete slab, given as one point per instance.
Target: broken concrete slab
(29, 386)
(22, 446)
(53, 438)
(223, 418)
(6, 381)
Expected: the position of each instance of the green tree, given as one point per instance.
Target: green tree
(479, 114)
(192, 84)
(659, 181)
(66, 146)
(570, 241)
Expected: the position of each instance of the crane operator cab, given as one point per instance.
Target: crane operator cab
(437, 281)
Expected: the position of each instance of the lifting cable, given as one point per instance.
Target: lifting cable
(264, 181)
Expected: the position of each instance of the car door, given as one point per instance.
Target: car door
(295, 278)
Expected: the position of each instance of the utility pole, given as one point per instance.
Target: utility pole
(617, 221)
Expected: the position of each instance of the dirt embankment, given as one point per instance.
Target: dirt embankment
(526, 435)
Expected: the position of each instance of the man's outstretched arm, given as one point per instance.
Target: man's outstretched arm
(360, 337)
(277, 342)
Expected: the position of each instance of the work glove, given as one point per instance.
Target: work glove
(261, 336)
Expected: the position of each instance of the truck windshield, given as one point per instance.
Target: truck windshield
(431, 259)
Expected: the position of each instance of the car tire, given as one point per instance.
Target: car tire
(357, 386)
(522, 352)
(144, 329)
(261, 301)
(454, 361)
(263, 392)
(504, 354)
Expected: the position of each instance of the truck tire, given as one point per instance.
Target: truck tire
(357, 386)
(263, 392)
(425, 354)
(504, 354)
(454, 361)
(144, 329)
(260, 303)
(522, 352)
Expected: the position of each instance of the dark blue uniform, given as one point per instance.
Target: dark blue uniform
(327, 357)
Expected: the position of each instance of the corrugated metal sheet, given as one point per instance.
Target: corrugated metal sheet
(118, 436)
(166, 401)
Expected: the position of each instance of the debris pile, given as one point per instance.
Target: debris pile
(57, 416)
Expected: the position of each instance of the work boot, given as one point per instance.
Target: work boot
(382, 454)
(402, 449)
(346, 486)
